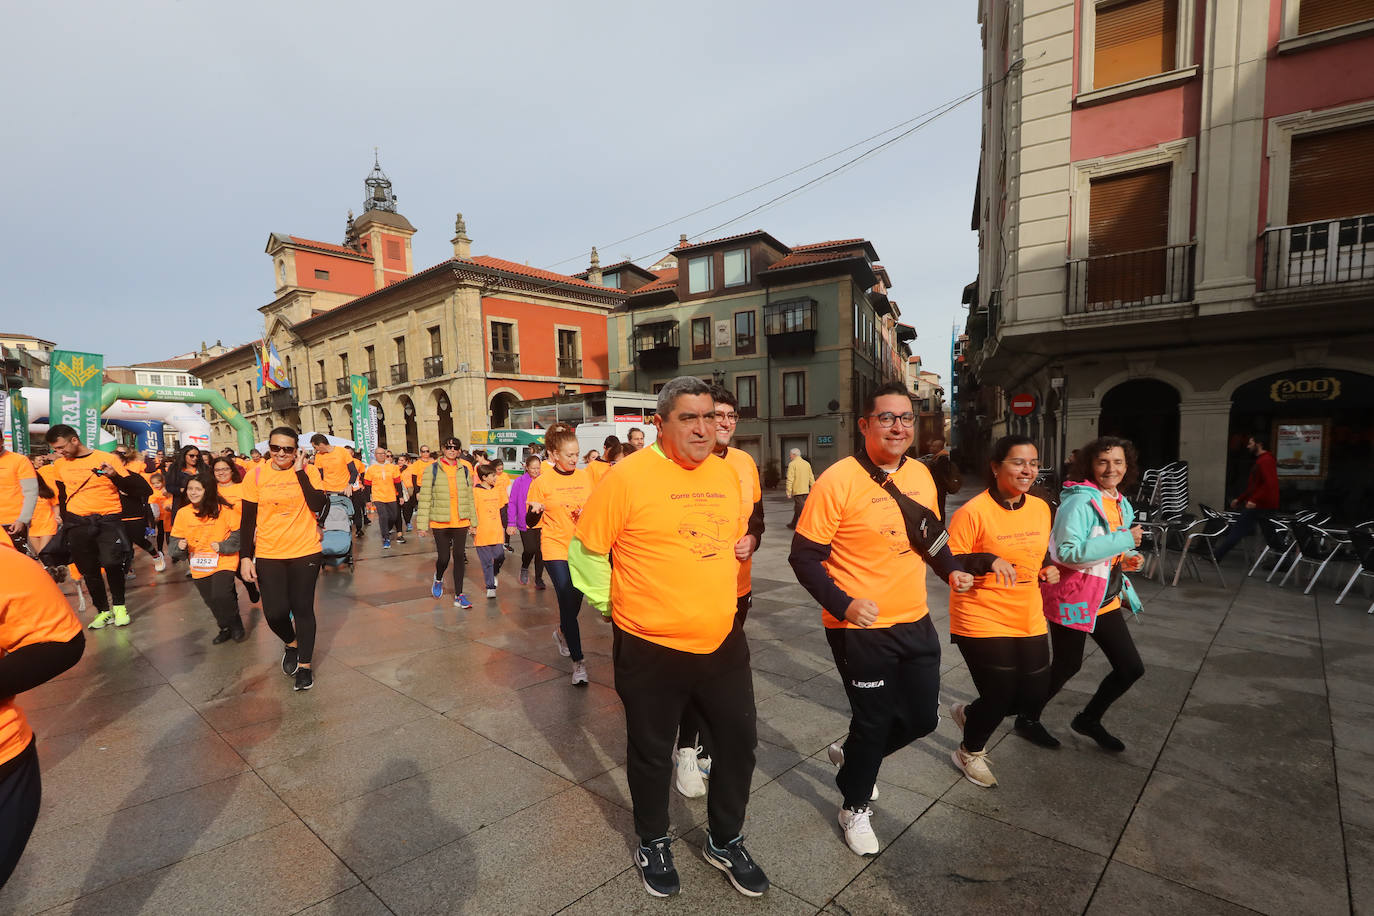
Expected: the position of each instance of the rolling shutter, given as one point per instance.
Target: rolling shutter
(1128, 213)
(1315, 15)
(1332, 174)
(1135, 39)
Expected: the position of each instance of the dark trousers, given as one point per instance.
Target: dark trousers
(408, 510)
(892, 678)
(98, 545)
(655, 684)
(692, 731)
(21, 792)
(505, 526)
(1240, 529)
(1113, 636)
(388, 519)
(161, 536)
(569, 605)
(798, 502)
(531, 548)
(491, 556)
(1012, 675)
(136, 535)
(359, 499)
(222, 598)
(450, 543)
(288, 600)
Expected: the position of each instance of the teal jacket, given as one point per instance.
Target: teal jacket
(1083, 544)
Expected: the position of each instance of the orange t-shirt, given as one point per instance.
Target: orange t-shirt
(286, 528)
(870, 556)
(199, 533)
(1113, 509)
(455, 520)
(87, 493)
(44, 521)
(32, 610)
(416, 472)
(232, 493)
(488, 502)
(383, 478)
(751, 491)
(1019, 536)
(332, 470)
(14, 467)
(563, 496)
(673, 532)
(598, 470)
(161, 501)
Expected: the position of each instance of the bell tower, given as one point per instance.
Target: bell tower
(381, 232)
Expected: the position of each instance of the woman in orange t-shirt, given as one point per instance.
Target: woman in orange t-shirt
(206, 532)
(555, 503)
(281, 549)
(229, 484)
(1002, 536)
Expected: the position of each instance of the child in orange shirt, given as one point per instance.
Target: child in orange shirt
(161, 504)
(489, 499)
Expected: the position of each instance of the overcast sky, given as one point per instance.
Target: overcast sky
(150, 148)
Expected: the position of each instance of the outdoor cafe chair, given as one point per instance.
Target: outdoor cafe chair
(1362, 543)
(1278, 540)
(1197, 538)
(1316, 547)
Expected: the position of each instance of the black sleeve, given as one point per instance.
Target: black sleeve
(248, 528)
(231, 543)
(806, 559)
(352, 472)
(315, 499)
(532, 517)
(29, 666)
(756, 522)
(978, 564)
(132, 485)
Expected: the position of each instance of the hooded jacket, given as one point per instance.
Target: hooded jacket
(1083, 545)
(434, 496)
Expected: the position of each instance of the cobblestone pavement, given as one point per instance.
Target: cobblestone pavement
(443, 763)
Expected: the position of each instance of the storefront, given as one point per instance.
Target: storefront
(1319, 423)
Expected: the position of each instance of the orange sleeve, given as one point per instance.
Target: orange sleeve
(604, 515)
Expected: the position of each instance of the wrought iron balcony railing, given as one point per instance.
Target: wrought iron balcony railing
(1319, 254)
(341, 386)
(321, 391)
(502, 361)
(400, 373)
(434, 366)
(569, 368)
(1150, 276)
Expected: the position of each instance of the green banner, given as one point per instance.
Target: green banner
(364, 440)
(19, 423)
(77, 380)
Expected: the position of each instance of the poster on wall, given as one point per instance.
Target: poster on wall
(1300, 448)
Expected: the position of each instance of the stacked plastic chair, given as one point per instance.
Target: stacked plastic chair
(1198, 538)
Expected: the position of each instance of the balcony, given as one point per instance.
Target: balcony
(1320, 254)
(505, 362)
(569, 367)
(400, 373)
(284, 399)
(1130, 279)
(748, 411)
(321, 391)
(371, 376)
(341, 386)
(790, 327)
(656, 345)
(434, 366)
(248, 405)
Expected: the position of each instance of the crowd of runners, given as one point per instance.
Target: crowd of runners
(624, 529)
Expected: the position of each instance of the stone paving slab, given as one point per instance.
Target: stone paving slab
(444, 764)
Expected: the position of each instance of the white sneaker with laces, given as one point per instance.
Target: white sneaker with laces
(159, 562)
(561, 642)
(703, 764)
(579, 675)
(686, 774)
(836, 754)
(858, 832)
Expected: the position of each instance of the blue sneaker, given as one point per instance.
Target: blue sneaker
(385, 544)
(437, 589)
(462, 602)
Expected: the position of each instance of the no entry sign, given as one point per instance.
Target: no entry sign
(1023, 405)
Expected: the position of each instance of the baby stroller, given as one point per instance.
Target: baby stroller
(336, 543)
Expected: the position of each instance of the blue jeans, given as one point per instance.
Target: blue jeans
(569, 604)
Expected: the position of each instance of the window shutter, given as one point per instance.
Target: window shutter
(1134, 39)
(1332, 174)
(1128, 213)
(1315, 15)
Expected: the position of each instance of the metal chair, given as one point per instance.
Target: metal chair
(1316, 547)
(1202, 533)
(1278, 540)
(1362, 543)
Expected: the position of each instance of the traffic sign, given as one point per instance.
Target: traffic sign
(1023, 405)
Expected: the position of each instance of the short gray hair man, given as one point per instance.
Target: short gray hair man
(795, 453)
(682, 385)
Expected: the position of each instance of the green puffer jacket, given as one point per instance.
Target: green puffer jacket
(434, 496)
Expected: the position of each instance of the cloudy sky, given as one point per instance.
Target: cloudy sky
(152, 146)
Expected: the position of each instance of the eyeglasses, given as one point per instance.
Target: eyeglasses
(1031, 463)
(887, 419)
(727, 417)
(451, 448)
(284, 449)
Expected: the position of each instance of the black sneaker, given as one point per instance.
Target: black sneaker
(223, 636)
(1094, 730)
(655, 861)
(289, 660)
(1034, 732)
(305, 678)
(743, 872)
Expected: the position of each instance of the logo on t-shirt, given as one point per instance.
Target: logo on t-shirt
(706, 533)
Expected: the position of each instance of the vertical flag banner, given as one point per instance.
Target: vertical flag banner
(363, 428)
(75, 399)
(19, 423)
(274, 369)
(257, 360)
(5, 421)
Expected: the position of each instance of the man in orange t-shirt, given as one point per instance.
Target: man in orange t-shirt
(333, 466)
(863, 557)
(18, 490)
(40, 638)
(385, 479)
(89, 484)
(673, 515)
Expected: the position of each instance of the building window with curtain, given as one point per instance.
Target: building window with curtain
(746, 340)
(747, 391)
(793, 394)
(701, 338)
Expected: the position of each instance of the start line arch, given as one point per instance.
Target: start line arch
(111, 392)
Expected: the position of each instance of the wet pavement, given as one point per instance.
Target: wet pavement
(444, 763)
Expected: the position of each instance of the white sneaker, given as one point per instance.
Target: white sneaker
(836, 754)
(561, 642)
(858, 832)
(958, 712)
(974, 766)
(579, 676)
(686, 774)
(491, 593)
(703, 765)
(159, 562)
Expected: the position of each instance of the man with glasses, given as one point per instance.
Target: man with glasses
(861, 548)
(693, 760)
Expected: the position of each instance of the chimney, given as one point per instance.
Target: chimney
(594, 273)
(682, 240)
(462, 245)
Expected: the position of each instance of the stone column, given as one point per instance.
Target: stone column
(1204, 421)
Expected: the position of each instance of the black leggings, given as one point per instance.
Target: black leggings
(21, 791)
(98, 545)
(450, 542)
(1114, 638)
(532, 548)
(288, 600)
(1012, 675)
(136, 533)
(221, 597)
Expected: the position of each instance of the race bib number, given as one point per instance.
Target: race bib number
(204, 562)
